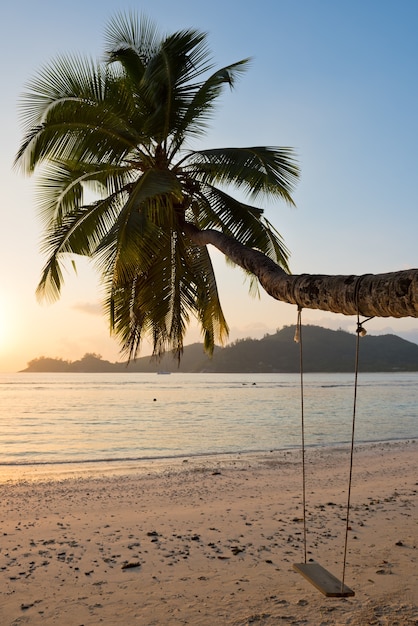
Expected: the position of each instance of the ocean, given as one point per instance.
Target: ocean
(53, 419)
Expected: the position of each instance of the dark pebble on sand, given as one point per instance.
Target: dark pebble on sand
(131, 565)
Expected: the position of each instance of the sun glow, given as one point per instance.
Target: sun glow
(12, 339)
(3, 323)
(6, 323)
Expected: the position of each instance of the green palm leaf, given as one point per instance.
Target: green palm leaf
(257, 170)
(116, 131)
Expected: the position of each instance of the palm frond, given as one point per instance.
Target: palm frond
(207, 305)
(199, 107)
(258, 170)
(132, 41)
(62, 186)
(117, 129)
(160, 300)
(78, 233)
(216, 209)
(84, 115)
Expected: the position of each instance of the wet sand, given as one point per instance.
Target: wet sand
(212, 541)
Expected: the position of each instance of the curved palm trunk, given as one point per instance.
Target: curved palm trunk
(379, 295)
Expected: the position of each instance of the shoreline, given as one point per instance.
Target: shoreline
(213, 541)
(60, 470)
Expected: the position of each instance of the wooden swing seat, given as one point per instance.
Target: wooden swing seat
(327, 584)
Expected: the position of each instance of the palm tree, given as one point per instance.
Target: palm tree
(120, 184)
(121, 130)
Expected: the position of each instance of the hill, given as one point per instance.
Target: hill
(324, 350)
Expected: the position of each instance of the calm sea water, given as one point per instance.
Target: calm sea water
(79, 418)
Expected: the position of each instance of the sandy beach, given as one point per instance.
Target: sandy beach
(212, 540)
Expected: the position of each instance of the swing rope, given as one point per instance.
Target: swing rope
(360, 332)
(298, 339)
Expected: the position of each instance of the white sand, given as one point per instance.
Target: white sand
(212, 541)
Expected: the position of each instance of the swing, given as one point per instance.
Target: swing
(318, 576)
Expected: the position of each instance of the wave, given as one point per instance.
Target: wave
(197, 455)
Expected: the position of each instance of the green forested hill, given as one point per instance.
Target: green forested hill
(324, 350)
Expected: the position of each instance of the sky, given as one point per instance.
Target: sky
(337, 81)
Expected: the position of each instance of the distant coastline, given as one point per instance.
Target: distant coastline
(325, 350)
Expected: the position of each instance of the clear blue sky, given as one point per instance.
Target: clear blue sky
(335, 80)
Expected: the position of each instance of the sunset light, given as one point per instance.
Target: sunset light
(4, 322)
(205, 207)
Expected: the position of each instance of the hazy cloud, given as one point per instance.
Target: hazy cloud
(92, 308)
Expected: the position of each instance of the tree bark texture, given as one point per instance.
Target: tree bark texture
(371, 295)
